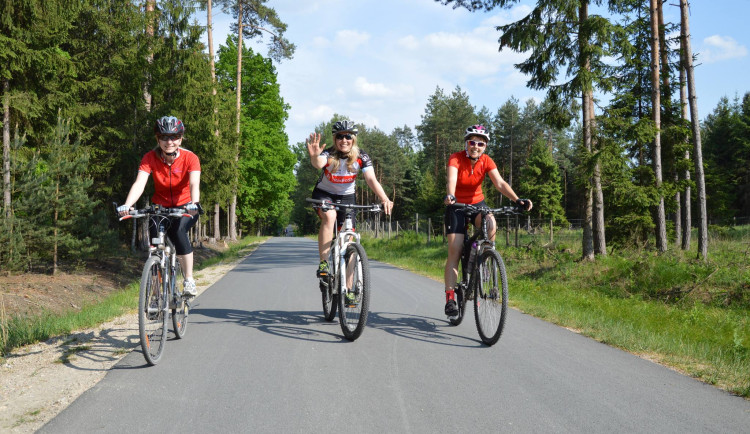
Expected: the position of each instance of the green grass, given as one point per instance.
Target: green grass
(687, 314)
(17, 331)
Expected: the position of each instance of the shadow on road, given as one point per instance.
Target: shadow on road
(305, 325)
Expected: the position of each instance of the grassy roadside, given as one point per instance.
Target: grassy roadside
(689, 315)
(18, 331)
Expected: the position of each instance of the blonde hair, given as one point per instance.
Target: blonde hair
(351, 156)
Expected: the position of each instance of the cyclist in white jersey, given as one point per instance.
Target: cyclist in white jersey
(337, 181)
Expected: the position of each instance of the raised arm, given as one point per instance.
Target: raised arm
(314, 148)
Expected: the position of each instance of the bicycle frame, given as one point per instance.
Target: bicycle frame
(167, 261)
(481, 238)
(342, 240)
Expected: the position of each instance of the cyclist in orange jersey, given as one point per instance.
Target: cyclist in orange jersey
(465, 172)
(177, 175)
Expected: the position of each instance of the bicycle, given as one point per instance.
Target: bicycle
(482, 276)
(159, 291)
(346, 288)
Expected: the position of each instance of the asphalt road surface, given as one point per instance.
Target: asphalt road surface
(258, 357)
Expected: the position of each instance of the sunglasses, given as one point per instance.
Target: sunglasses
(343, 136)
(167, 137)
(477, 144)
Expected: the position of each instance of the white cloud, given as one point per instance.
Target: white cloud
(351, 39)
(380, 90)
(320, 42)
(717, 48)
(365, 88)
(314, 114)
(409, 42)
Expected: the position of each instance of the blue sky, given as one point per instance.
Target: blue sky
(378, 61)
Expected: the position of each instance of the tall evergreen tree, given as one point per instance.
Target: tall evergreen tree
(558, 34)
(265, 161)
(254, 19)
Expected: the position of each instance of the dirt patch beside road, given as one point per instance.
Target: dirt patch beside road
(38, 381)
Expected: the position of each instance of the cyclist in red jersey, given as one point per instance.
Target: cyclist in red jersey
(465, 172)
(177, 175)
(337, 181)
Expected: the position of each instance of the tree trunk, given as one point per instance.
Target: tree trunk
(6, 148)
(217, 212)
(150, 6)
(697, 147)
(588, 234)
(667, 89)
(211, 55)
(686, 209)
(661, 229)
(235, 186)
(600, 239)
(54, 225)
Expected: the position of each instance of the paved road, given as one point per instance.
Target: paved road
(258, 357)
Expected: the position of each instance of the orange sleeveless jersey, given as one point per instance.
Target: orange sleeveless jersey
(171, 183)
(469, 181)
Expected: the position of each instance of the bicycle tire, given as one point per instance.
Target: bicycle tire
(490, 296)
(353, 313)
(460, 293)
(152, 326)
(181, 309)
(330, 301)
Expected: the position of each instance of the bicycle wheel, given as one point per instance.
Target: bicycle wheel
(180, 307)
(490, 296)
(354, 300)
(152, 318)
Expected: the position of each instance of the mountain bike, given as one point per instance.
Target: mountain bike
(347, 285)
(159, 291)
(482, 276)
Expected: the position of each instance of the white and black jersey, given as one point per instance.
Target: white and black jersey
(342, 182)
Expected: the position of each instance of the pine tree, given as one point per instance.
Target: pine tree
(540, 179)
(56, 202)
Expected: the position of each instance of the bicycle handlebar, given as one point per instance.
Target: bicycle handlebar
(154, 210)
(327, 205)
(503, 210)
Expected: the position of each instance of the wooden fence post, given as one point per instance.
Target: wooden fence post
(551, 229)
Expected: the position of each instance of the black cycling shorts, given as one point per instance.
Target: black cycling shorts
(177, 233)
(338, 198)
(456, 218)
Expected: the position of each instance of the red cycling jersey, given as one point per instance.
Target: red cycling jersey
(171, 182)
(469, 180)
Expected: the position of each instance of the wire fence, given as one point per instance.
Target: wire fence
(516, 230)
(524, 231)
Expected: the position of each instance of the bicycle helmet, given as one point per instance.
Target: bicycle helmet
(477, 130)
(344, 127)
(169, 125)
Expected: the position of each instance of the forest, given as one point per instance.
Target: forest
(615, 148)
